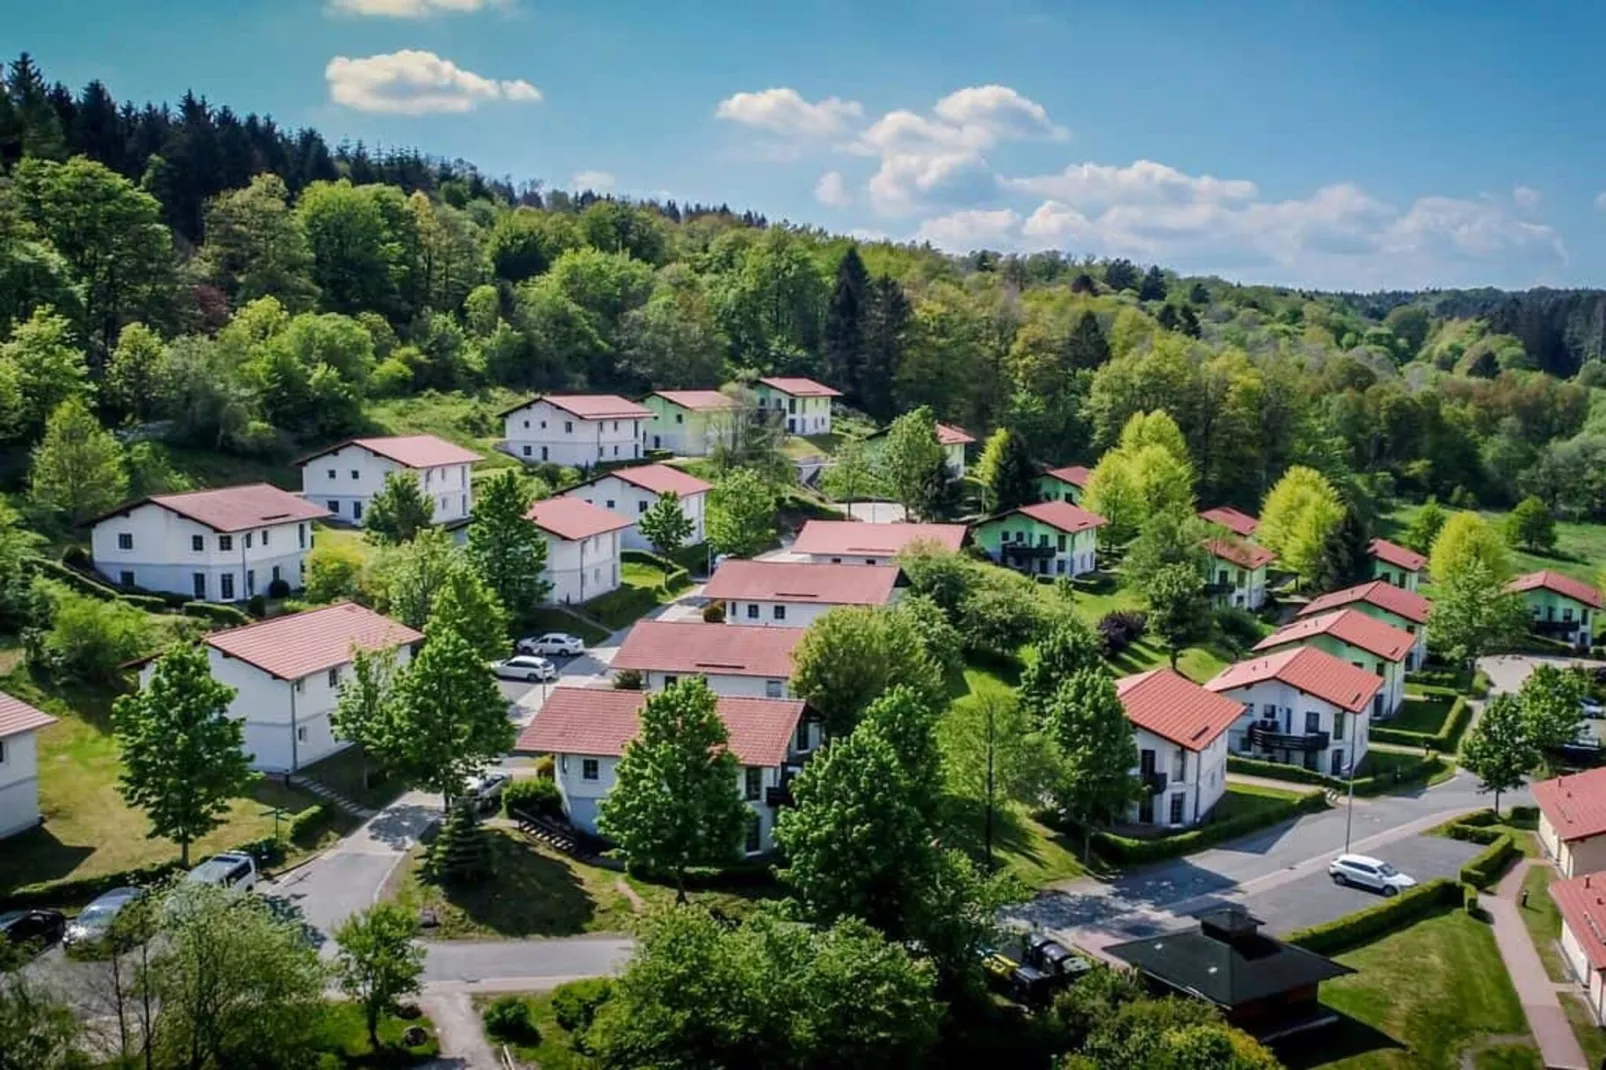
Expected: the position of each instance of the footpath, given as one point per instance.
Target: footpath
(1535, 990)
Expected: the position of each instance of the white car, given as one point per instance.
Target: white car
(233, 871)
(525, 667)
(1592, 709)
(1363, 871)
(486, 789)
(560, 644)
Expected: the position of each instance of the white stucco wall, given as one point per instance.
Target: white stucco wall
(1201, 783)
(542, 432)
(582, 569)
(763, 614)
(164, 558)
(627, 499)
(581, 797)
(1291, 707)
(346, 480)
(19, 783)
(723, 684)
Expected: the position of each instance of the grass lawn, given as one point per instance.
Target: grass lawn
(467, 420)
(555, 1048)
(1422, 713)
(1419, 999)
(332, 535)
(1544, 920)
(1243, 799)
(808, 447)
(344, 1035)
(1579, 547)
(641, 590)
(1381, 762)
(1590, 1036)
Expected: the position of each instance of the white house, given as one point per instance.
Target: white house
(691, 423)
(953, 440)
(804, 404)
(286, 674)
(586, 730)
(345, 477)
(576, 429)
(1302, 706)
(1582, 904)
(853, 542)
(220, 545)
(1362, 640)
(1181, 732)
(1394, 606)
(791, 594)
(1236, 572)
(582, 547)
(739, 662)
(1572, 822)
(631, 492)
(19, 764)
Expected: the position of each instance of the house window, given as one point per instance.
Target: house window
(641, 507)
(301, 733)
(275, 573)
(1179, 765)
(199, 580)
(802, 741)
(588, 769)
(755, 835)
(301, 535)
(1313, 721)
(610, 503)
(356, 510)
(670, 681)
(526, 425)
(772, 688)
(248, 540)
(1177, 800)
(1567, 613)
(355, 474)
(616, 425)
(1269, 711)
(227, 580)
(568, 427)
(334, 676)
(1060, 545)
(679, 419)
(753, 783)
(332, 474)
(125, 541)
(334, 507)
(780, 612)
(1338, 725)
(526, 451)
(752, 611)
(250, 581)
(125, 578)
(198, 543)
(225, 542)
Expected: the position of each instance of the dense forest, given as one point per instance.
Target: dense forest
(226, 284)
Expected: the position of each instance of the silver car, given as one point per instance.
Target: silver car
(95, 921)
(1364, 871)
(553, 644)
(525, 667)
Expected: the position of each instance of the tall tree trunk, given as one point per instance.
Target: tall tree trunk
(680, 886)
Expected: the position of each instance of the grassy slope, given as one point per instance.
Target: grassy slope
(554, 1050)
(1580, 548)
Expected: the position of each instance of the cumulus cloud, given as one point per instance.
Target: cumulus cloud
(413, 9)
(597, 180)
(1526, 197)
(972, 229)
(417, 83)
(784, 111)
(1143, 181)
(832, 190)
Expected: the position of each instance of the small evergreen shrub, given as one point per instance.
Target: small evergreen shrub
(508, 1019)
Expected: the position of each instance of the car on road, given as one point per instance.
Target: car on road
(1364, 871)
(485, 791)
(1592, 709)
(525, 667)
(37, 929)
(558, 644)
(94, 922)
(233, 871)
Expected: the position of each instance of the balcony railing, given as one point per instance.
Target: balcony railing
(1556, 627)
(1219, 590)
(1154, 781)
(1269, 737)
(1028, 549)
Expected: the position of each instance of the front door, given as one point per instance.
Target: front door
(1146, 810)
(1377, 705)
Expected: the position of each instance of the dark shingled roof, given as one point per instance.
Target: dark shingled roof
(1226, 960)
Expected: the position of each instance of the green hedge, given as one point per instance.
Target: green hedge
(1484, 868)
(217, 613)
(1128, 849)
(1421, 769)
(1523, 817)
(85, 585)
(1445, 740)
(1472, 834)
(1363, 926)
(82, 889)
(676, 578)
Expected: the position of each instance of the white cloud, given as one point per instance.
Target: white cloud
(411, 82)
(784, 111)
(595, 180)
(832, 191)
(1091, 184)
(1526, 197)
(413, 9)
(972, 229)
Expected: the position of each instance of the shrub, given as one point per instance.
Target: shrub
(537, 795)
(575, 1004)
(75, 890)
(216, 613)
(1120, 629)
(279, 588)
(545, 767)
(77, 557)
(1485, 868)
(1127, 850)
(1446, 740)
(1363, 926)
(333, 569)
(1523, 817)
(1469, 901)
(714, 613)
(310, 823)
(508, 1018)
(1372, 784)
(1239, 625)
(627, 680)
(257, 606)
(90, 640)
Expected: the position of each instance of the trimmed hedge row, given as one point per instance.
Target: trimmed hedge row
(1128, 849)
(1424, 769)
(83, 584)
(1445, 740)
(1484, 868)
(675, 577)
(1363, 926)
(217, 613)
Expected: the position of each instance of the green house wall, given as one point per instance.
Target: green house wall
(1054, 489)
(1077, 548)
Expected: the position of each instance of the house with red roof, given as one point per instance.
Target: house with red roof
(1302, 706)
(221, 545)
(854, 542)
(1182, 735)
(20, 724)
(586, 730)
(1394, 606)
(1235, 521)
(691, 423)
(954, 440)
(1054, 538)
(582, 547)
(1363, 641)
(1236, 572)
(286, 674)
(1572, 821)
(631, 492)
(1581, 902)
(1065, 484)
(580, 430)
(739, 662)
(346, 476)
(792, 594)
(1393, 563)
(803, 404)
(1559, 606)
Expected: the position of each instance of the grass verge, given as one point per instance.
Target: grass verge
(1590, 1036)
(555, 1048)
(1544, 920)
(343, 1036)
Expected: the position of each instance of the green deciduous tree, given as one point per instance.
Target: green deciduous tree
(508, 551)
(1473, 614)
(1179, 610)
(47, 368)
(1006, 473)
(913, 465)
(414, 578)
(1531, 526)
(135, 375)
(1467, 537)
(853, 474)
(1298, 518)
(741, 513)
(88, 640)
(38, 1030)
(994, 755)
(379, 962)
(1551, 699)
(1499, 750)
(1069, 648)
(255, 246)
(665, 524)
(363, 712)
(333, 569)
(676, 803)
(184, 756)
(1425, 526)
(78, 467)
(852, 655)
(1097, 749)
(399, 510)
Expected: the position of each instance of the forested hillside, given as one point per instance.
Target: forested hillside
(221, 283)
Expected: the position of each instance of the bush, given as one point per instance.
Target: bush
(1120, 629)
(1480, 685)
(1420, 769)
(537, 795)
(545, 767)
(1239, 625)
(1127, 850)
(74, 890)
(575, 1004)
(1525, 817)
(279, 588)
(257, 606)
(1446, 740)
(1469, 901)
(76, 556)
(508, 1019)
(309, 824)
(1364, 926)
(1486, 867)
(90, 640)
(216, 613)
(714, 613)
(93, 588)
(627, 680)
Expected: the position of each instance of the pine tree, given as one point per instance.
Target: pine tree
(1168, 317)
(1086, 347)
(460, 852)
(1153, 287)
(1006, 472)
(886, 328)
(1121, 274)
(843, 341)
(508, 551)
(399, 511)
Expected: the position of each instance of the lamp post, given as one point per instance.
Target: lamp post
(1349, 803)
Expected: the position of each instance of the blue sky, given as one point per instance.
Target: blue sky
(1354, 144)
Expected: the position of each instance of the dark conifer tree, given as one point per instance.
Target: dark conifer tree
(1086, 347)
(885, 333)
(1153, 287)
(845, 315)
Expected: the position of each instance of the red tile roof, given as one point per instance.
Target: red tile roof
(1074, 474)
(692, 648)
(1582, 902)
(948, 435)
(697, 400)
(1239, 523)
(299, 644)
(411, 451)
(588, 406)
(1313, 671)
(1566, 586)
(1379, 593)
(1348, 626)
(659, 478)
(873, 540)
(799, 387)
(598, 722)
(226, 509)
(794, 581)
(1396, 555)
(1575, 805)
(573, 519)
(17, 717)
(1062, 515)
(1174, 707)
(1243, 554)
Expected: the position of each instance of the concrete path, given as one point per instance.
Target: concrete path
(1535, 990)
(460, 1033)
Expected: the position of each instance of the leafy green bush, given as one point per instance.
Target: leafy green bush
(508, 1018)
(575, 1004)
(279, 588)
(1239, 625)
(1486, 867)
(1128, 850)
(1363, 926)
(539, 795)
(1469, 901)
(714, 613)
(88, 639)
(216, 613)
(1445, 740)
(1373, 783)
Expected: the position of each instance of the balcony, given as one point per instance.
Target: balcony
(1266, 735)
(1154, 781)
(1219, 590)
(1027, 549)
(1561, 628)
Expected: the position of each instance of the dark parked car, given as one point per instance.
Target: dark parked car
(1054, 959)
(37, 928)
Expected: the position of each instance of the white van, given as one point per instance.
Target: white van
(233, 871)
